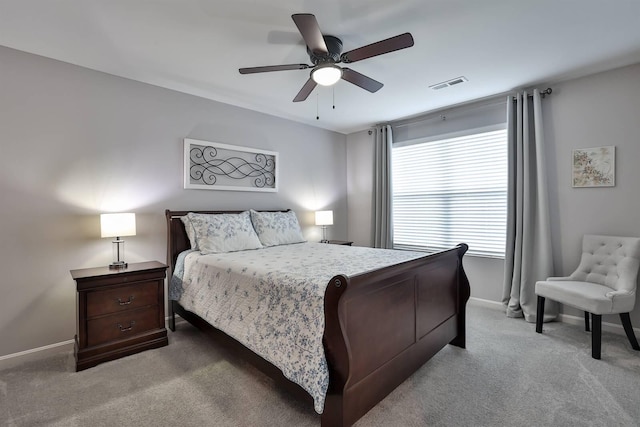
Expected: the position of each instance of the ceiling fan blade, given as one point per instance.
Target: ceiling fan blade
(306, 90)
(366, 83)
(267, 68)
(310, 31)
(401, 41)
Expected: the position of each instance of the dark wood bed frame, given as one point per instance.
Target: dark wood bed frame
(380, 326)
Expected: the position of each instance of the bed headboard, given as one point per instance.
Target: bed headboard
(177, 240)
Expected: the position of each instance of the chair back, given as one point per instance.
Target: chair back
(610, 261)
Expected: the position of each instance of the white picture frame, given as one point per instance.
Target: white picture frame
(215, 166)
(593, 167)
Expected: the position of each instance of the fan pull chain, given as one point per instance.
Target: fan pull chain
(333, 88)
(317, 110)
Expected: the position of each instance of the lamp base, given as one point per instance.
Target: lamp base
(119, 265)
(324, 235)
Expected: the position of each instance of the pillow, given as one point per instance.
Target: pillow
(277, 228)
(191, 233)
(217, 233)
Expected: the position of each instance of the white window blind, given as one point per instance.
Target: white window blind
(451, 191)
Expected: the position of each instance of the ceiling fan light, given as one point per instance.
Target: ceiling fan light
(326, 75)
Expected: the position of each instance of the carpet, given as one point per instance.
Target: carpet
(508, 375)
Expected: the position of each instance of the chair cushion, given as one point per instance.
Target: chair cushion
(591, 297)
(609, 260)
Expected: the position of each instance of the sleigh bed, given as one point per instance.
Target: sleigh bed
(378, 326)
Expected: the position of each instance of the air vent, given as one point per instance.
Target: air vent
(448, 83)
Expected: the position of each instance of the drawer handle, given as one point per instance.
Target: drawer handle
(129, 301)
(127, 329)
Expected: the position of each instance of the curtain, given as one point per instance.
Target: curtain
(528, 252)
(382, 209)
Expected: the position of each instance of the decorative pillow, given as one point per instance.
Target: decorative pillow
(191, 233)
(277, 228)
(216, 233)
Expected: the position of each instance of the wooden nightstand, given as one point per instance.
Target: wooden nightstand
(119, 312)
(340, 242)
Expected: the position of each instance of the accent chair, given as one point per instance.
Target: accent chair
(605, 282)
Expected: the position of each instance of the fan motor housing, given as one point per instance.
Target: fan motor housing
(334, 46)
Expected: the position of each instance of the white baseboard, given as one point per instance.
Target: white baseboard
(14, 359)
(486, 303)
(564, 318)
(606, 326)
(11, 360)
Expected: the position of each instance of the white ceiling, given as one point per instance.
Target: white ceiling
(197, 46)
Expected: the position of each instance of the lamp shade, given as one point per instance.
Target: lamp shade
(326, 75)
(324, 217)
(117, 224)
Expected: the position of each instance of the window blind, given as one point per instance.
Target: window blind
(450, 191)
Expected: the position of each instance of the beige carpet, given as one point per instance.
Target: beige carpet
(507, 376)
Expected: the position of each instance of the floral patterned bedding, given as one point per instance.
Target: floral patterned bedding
(272, 299)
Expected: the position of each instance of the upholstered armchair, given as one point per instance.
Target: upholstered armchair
(605, 282)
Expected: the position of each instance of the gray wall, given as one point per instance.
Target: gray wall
(602, 109)
(75, 143)
(597, 110)
(360, 180)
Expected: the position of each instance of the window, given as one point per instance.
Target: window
(450, 191)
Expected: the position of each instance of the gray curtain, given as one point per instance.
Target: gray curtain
(382, 197)
(528, 254)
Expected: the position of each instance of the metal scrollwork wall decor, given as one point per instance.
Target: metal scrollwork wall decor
(214, 166)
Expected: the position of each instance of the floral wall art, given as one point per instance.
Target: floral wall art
(594, 167)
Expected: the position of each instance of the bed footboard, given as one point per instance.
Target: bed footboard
(380, 327)
(384, 325)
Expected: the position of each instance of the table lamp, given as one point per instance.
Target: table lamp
(324, 218)
(118, 225)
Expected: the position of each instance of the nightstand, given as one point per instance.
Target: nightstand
(119, 312)
(340, 242)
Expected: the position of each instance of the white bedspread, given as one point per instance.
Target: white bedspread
(272, 300)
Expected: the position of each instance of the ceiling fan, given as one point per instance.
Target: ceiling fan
(326, 51)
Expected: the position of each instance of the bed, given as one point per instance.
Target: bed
(378, 326)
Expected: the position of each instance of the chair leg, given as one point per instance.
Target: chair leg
(596, 335)
(586, 321)
(539, 314)
(626, 322)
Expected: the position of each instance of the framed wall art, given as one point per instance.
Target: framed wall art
(215, 166)
(594, 167)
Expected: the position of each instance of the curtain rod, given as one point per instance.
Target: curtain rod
(438, 114)
(481, 103)
(543, 93)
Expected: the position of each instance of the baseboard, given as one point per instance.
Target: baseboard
(564, 318)
(606, 326)
(11, 360)
(486, 303)
(14, 359)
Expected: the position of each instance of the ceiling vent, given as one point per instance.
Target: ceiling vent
(449, 83)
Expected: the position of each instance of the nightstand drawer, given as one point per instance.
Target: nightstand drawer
(122, 298)
(119, 311)
(121, 325)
